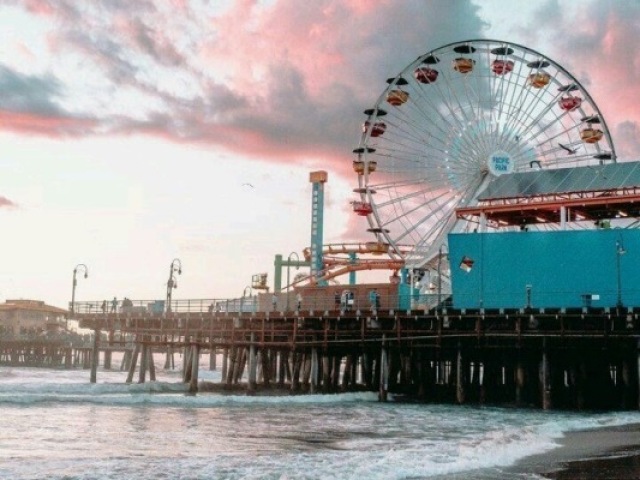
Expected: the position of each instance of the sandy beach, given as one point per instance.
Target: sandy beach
(599, 454)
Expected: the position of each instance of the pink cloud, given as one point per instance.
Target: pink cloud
(52, 126)
(280, 81)
(6, 203)
(602, 49)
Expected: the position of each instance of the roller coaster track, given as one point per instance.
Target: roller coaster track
(338, 259)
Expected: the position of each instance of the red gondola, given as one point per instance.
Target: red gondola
(570, 103)
(362, 208)
(378, 128)
(502, 67)
(425, 74)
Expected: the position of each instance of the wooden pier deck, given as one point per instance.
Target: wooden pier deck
(577, 359)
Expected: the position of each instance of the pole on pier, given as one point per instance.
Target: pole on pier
(225, 362)
(520, 381)
(384, 371)
(195, 362)
(144, 356)
(461, 377)
(152, 366)
(295, 371)
(168, 361)
(314, 370)
(133, 362)
(253, 365)
(107, 353)
(95, 355)
(212, 358)
(545, 377)
(326, 372)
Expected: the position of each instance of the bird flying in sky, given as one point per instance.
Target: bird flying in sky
(570, 151)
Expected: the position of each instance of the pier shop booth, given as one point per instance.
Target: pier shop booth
(546, 269)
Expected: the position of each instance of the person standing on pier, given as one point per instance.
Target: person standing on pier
(104, 306)
(114, 305)
(274, 301)
(372, 299)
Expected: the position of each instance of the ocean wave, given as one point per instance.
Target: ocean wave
(161, 394)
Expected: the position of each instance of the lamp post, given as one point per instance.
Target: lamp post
(80, 266)
(176, 266)
(288, 268)
(620, 250)
(244, 294)
(440, 275)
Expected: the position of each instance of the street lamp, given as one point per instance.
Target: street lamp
(440, 275)
(244, 294)
(288, 268)
(176, 266)
(80, 266)
(620, 250)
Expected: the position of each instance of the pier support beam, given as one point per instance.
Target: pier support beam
(253, 365)
(384, 371)
(212, 359)
(314, 370)
(95, 356)
(520, 382)
(195, 363)
(168, 361)
(545, 377)
(295, 371)
(133, 362)
(144, 358)
(225, 363)
(461, 377)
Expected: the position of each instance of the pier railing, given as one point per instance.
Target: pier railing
(335, 326)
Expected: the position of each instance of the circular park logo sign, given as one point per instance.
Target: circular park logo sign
(500, 163)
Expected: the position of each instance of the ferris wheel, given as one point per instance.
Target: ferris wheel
(453, 120)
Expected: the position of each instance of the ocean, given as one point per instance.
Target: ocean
(54, 424)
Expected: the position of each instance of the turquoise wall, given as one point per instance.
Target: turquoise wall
(562, 268)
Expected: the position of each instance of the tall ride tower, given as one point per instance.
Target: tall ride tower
(317, 179)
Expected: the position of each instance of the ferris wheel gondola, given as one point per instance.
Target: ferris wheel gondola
(457, 117)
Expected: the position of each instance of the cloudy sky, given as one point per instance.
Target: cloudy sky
(128, 128)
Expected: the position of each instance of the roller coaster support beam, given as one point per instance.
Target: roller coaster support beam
(352, 273)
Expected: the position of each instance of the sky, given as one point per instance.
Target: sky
(129, 130)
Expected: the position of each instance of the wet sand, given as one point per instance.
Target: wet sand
(602, 454)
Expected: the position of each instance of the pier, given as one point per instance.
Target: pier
(578, 358)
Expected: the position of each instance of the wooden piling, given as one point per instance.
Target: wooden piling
(132, 364)
(545, 380)
(212, 359)
(253, 365)
(461, 377)
(314, 370)
(95, 356)
(195, 363)
(384, 371)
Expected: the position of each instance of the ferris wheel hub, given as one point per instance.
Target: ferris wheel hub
(500, 163)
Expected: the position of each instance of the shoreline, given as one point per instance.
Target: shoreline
(608, 453)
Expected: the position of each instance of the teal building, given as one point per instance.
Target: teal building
(553, 269)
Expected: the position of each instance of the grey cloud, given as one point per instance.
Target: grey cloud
(28, 93)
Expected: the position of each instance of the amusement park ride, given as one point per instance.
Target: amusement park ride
(478, 137)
